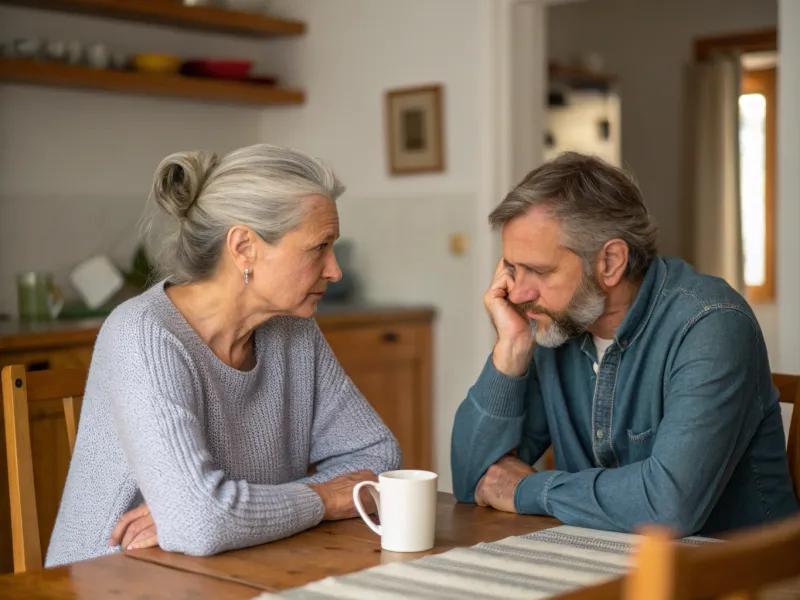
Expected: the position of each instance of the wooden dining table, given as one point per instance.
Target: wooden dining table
(332, 548)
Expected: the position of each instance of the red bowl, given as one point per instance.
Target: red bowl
(220, 69)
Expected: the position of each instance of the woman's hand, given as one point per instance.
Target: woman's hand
(135, 530)
(337, 495)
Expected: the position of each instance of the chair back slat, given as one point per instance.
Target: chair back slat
(55, 384)
(789, 393)
(24, 519)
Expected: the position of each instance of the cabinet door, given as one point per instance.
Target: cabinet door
(391, 388)
(390, 365)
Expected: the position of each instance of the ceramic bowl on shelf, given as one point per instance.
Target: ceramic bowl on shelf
(218, 68)
(75, 52)
(55, 50)
(164, 64)
(26, 48)
(98, 56)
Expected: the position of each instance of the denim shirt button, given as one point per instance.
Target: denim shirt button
(599, 434)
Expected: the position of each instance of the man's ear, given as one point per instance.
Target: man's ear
(612, 262)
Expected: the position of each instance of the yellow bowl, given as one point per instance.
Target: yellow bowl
(157, 63)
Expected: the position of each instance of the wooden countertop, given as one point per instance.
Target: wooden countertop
(17, 336)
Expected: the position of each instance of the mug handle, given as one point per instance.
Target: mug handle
(360, 507)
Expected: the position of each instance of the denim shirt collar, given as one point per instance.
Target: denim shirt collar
(642, 308)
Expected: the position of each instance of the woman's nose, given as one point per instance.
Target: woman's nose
(332, 271)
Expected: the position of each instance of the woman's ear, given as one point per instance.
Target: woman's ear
(241, 243)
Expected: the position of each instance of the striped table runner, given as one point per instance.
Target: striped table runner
(539, 565)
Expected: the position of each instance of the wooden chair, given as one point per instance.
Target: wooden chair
(789, 391)
(733, 570)
(19, 390)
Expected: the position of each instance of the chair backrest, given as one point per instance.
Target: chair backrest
(789, 391)
(736, 569)
(19, 390)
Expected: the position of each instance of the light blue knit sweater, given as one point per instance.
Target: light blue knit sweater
(219, 455)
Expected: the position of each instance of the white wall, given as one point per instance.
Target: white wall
(75, 167)
(647, 45)
(354, 52)
(788, 205)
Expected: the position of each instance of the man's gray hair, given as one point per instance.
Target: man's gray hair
(263, 187)
(594, 202)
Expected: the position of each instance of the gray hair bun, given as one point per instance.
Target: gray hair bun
(179, 180)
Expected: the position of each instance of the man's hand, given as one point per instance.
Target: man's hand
(496, 488)
(135, 529)
(514, 347)
(337, 495)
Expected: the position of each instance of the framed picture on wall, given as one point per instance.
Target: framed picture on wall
(415, 132)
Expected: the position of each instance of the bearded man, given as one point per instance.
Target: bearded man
(650, 381)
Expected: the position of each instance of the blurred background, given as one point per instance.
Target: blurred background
(429, 111)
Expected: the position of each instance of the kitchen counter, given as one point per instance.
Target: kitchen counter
(18, 336)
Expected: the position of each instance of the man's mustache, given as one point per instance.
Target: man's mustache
(530, 306)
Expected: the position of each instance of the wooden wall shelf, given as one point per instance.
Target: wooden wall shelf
(17, 70)
(580, 75)
(175, 14)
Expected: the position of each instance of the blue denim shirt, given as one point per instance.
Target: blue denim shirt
(680, 426)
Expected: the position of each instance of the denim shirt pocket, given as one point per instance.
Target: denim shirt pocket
(640, 444)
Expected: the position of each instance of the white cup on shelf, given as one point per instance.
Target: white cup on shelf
(406, 503)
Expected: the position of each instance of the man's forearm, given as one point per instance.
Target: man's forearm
(620, 499)
(488, 425)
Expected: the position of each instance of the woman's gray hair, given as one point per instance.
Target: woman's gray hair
(594, 202)
(260, 186)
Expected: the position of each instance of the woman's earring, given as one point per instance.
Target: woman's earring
(246, 276)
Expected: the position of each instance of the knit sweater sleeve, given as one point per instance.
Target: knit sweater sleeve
(157, 413)
(347, 434)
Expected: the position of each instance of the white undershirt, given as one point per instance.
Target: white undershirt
(601, 345)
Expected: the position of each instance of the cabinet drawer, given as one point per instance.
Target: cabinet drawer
(359, 345)
(77, 357)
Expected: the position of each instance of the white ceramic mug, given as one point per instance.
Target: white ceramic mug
(406, 503)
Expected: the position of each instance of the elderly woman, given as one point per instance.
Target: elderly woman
(211, 395)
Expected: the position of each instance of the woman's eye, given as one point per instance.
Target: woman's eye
(321, 247)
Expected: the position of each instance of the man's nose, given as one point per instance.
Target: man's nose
(519, 294)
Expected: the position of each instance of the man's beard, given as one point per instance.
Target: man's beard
(585, 307)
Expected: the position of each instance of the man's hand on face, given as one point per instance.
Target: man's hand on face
(514, 347)
(496, 488)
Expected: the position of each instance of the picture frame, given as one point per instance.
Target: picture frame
(415, 130)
